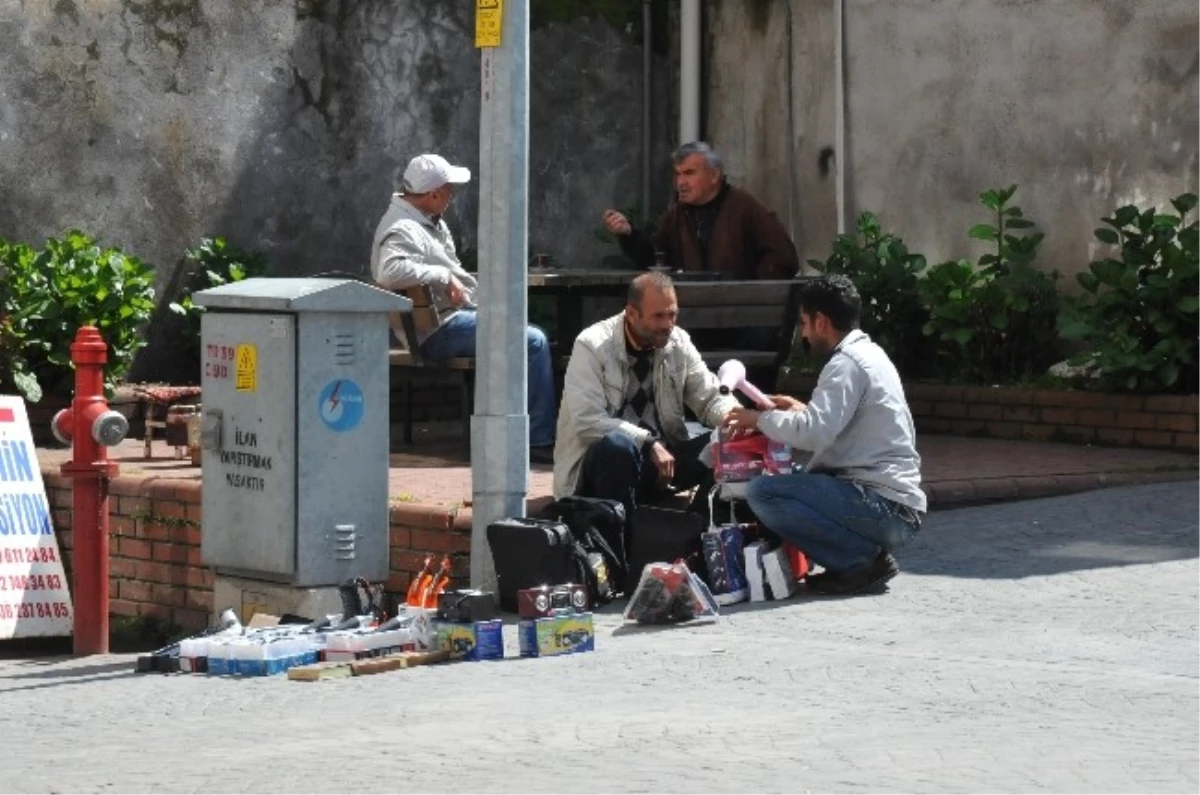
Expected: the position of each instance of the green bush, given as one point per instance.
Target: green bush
(996, 321)
(1138, 311)
(886, 275)
(211, 264)
(49, 294)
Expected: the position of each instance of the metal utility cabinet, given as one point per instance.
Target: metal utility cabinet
(294, 430)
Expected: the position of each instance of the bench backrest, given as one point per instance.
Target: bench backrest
(742, 305)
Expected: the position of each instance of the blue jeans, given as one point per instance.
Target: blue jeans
(837, 523)
(456, 337)
(615, 468)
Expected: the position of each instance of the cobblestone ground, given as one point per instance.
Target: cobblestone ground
(1042, 646)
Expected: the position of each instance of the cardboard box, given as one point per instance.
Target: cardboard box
(480, 640)
(561, 634)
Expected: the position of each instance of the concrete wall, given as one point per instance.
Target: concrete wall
(279, 123)
(746, 112)
(1086, 104)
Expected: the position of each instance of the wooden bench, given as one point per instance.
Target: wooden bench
(768, 311)
(713, 312)
(461, 370)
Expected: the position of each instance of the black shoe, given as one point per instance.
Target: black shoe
(870, 577)
(542, 455)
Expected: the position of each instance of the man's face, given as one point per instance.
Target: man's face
(696, 181)
(816, 331)
(651, 325)
(439, 198)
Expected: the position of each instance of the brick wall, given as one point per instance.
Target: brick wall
(155, 568)
(1167, 422)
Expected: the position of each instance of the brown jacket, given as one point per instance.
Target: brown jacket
(747, 241)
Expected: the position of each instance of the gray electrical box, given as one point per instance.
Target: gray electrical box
(294, 429)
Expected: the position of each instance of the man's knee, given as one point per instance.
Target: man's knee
(614, 447)
(535, 340)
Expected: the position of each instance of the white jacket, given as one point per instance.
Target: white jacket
(594, 390)
(411, 250)
(857, 423)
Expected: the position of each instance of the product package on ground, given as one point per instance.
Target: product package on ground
(466, 606)
(723, 560)
(235, 650)
(473, 641)
(777, 571)
(669, 593)
(770, 572)
(564, 633)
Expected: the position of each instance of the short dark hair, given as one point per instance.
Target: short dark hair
(637, 288)
(834, 296)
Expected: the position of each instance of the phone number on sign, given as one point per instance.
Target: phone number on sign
(29, 555)
(31, 582)
(35, 610)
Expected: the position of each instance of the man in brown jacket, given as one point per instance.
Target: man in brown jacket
(713, 227)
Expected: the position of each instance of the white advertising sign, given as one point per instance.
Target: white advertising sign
(34, 599)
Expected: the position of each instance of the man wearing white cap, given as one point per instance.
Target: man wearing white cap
(413, 247)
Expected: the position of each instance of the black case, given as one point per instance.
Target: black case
(663, 535)
(528, 553)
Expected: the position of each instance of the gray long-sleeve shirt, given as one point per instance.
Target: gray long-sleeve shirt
(857, 424)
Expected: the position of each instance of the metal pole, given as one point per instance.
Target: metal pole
(689, 71)
(840, 155)
(500, 425)
(647, 88)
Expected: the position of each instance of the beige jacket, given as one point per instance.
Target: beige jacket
(410, 250)
(594, 390)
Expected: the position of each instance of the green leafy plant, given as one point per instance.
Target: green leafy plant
(211, 264)
(886, 274)
(49, 294)
(1138, 310)
(995, 320)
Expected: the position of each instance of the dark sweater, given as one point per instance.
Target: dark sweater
(734, 234)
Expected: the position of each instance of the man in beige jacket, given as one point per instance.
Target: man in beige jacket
(621, 431)
(413, 247)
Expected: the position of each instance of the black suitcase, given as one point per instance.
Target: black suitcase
(528, 553)
(664, 535)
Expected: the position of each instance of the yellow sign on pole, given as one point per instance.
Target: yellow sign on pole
(246, 361)
(489, 17)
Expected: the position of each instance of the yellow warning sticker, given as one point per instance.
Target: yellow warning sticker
(246, 374)
(489, 16)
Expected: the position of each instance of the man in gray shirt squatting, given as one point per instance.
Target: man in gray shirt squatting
(859, 497)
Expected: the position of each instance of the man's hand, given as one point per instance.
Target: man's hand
(786, 403)
(456, 292)
(616, 223)
(741, 418)
(664, 462)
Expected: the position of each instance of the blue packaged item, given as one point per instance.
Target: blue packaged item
(567, 633)
(479, 640)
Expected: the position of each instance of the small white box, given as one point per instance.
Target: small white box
(754, 570)
(779, 576)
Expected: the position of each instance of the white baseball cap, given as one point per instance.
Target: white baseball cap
(430, 172)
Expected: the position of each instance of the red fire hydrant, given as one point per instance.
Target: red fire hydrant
(90, 426)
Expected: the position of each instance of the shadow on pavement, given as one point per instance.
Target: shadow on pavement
(73, 672)
(1132, 525)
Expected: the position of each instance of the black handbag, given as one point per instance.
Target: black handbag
(600, 527)
(530, 552)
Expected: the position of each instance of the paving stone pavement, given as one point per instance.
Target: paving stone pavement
(1037, 646)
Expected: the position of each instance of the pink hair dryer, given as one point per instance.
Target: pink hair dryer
(732, 375)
